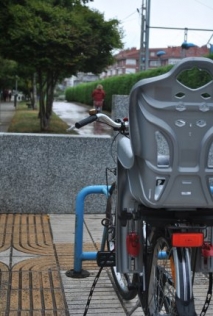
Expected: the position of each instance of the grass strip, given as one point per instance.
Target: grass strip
(26, 120)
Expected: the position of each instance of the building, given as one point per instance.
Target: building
(81, 77)
(127, 61)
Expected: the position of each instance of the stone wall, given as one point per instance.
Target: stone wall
(43, 173)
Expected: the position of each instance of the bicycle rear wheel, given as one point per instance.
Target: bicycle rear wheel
(121, 280)
(169, 291)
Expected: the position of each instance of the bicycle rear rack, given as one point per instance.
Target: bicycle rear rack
(79, 254)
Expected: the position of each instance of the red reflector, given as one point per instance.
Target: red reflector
(187, 239)
(207, 250)
(133, 244)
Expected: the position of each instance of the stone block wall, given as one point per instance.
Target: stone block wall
(44, 173)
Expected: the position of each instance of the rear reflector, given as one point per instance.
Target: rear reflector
(207, 250)
(133, 244)
(187, 239)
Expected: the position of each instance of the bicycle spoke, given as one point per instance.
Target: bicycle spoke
(161, 293)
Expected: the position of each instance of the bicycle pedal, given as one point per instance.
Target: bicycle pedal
(106, 259)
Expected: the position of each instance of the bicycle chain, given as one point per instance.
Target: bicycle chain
(208, 297)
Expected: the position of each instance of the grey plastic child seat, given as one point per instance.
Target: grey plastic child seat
(171, 131)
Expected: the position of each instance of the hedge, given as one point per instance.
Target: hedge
(121, 84)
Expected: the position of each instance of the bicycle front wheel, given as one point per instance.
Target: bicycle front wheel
(169, 290)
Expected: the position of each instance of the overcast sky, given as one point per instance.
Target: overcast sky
(196, 14)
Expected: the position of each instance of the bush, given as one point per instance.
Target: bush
(120, 85)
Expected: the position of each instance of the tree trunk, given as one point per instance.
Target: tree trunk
(41, 115)
(50, 95)
(34, 93)
(46, 95)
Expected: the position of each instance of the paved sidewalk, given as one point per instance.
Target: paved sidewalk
(71, 113)
(7, 111)
(35, 253)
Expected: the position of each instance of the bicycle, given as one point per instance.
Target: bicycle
(159, 213)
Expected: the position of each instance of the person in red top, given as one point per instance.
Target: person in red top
(98, 96)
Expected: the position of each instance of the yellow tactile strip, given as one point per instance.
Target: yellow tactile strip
(30, 282)
(66, 257)
(28, 233)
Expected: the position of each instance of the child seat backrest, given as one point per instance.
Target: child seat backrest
(171, 131)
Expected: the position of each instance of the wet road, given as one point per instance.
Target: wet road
(72, 113)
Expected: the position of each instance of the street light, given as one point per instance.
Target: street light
(187, 45)
(210, 47)
(159, 54)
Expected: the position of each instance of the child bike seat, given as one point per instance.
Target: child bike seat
(171, 132)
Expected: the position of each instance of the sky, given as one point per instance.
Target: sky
(194, 14)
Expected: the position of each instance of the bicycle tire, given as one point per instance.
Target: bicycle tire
(121, 280)
(169, 281)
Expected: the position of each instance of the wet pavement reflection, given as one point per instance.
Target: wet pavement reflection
(72, 113)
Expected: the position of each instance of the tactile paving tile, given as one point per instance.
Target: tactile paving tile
(30, 281)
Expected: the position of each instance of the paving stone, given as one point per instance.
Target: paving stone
(36, 251)
(30, 282)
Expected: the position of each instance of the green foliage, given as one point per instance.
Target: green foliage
(60, 36)
(8, 70)
(122, 85)
(55, 39)
(113, 85)
(194, 78)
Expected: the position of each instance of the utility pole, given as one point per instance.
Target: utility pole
(184, 45)
(145, 26)
(185, 34)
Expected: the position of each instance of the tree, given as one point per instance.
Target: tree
(8, 71)
(56, 38)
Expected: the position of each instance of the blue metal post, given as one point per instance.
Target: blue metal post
(79, 255)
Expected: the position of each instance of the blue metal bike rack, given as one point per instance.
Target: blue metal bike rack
(79, 254)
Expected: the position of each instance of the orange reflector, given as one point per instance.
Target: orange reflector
(187, 239)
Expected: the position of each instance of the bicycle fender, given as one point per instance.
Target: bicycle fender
(185, 308)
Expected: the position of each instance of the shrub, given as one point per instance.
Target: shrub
(120, 85)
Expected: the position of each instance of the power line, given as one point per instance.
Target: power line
(204, 4)
(179, 28)
(128, 16)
